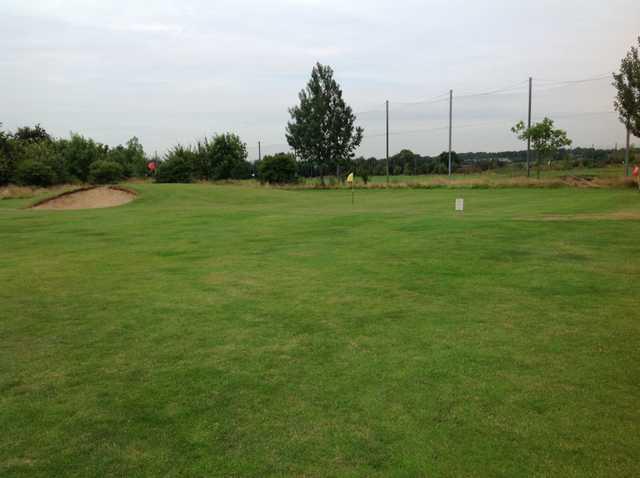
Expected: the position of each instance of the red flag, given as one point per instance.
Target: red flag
(151, 166)
(636, 171)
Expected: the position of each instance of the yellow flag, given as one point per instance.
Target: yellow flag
(350, 178)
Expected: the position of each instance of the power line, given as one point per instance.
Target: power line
(480, 123)
(509, 88)
(600, 77)
(583, 113)
(513, 87)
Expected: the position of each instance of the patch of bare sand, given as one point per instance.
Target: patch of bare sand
(92, 198)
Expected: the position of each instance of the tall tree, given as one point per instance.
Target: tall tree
(322, 130)
(545, 138)
(627, 101)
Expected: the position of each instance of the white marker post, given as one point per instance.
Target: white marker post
(460, 204)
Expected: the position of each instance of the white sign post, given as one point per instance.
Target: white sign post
(459, 204)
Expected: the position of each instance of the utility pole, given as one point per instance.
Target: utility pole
(450, 120)
(626, 154)
(387, 107)
(259, 152)
(529, 126)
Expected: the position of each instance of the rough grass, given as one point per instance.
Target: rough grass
(222, 331)
(485, 182)
(609, 177)
(26, 192)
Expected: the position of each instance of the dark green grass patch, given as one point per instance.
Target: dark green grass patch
(224, 331)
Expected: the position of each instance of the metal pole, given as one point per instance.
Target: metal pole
(626, 155)
(529, 126)
(450, 121)
(387, 107)
(259, 152)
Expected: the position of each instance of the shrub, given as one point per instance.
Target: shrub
(278, 169)
(105, 172)
(38, 164)
(130, 157)
(7, 161)
(363, 169)
(177, 167)
(79, 153)
(6, 169)
(225, 157)
(35, 173)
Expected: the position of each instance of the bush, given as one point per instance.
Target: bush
(224, 157)
(105, 172)
(177, 166)
(80, 153)
(131, 157)
(278, 169)
(7, 161)
(38, 164)
(363, 168)
(31, 172)
(6, 169)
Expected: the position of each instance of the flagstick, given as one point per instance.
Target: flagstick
(352, 193)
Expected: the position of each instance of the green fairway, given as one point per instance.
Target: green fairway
(234, 331)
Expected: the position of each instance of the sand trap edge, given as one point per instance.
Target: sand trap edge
(79, 190)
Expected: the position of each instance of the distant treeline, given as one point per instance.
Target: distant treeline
(407, 162)
(31, 156)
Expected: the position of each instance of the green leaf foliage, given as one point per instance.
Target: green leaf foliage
(177, 166)
(47, 153)
(222, 157)
(322, 129)
(32, 172)
(627, 83)
(79, 153)
(131, 158)
(545, 139)
(105, 172)
(279, 168)
(7, 157)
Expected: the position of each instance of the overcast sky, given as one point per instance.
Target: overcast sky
(172, 72)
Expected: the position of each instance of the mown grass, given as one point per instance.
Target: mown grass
(223, 331)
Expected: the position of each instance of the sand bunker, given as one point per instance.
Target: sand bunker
(91, 198)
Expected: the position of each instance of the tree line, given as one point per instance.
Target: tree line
(31, 156)
(408, 163)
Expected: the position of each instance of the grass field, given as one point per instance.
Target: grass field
(608, 176)
(226, 331)
(512, 172)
